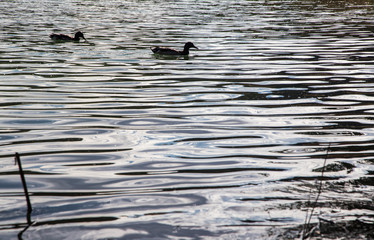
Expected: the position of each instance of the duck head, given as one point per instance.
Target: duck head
(79, 35)
(189, 45)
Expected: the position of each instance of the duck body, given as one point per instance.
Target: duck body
(171, 51)
(67, 38)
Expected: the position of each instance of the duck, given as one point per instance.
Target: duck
(63, 37)
(171, 51)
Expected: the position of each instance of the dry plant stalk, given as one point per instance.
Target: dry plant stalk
(306, 232)
(29, 207)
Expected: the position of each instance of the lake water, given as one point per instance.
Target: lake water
(227, 143)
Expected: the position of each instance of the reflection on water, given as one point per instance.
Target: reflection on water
(225, 143)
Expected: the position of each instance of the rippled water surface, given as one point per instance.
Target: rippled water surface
(227, 143)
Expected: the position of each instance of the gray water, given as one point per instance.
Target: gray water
(118, 143)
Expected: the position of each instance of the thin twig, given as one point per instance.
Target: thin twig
(306, 225)
(306, 216)
(22, 175)
(29, 207)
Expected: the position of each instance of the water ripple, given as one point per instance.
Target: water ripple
(117, 141)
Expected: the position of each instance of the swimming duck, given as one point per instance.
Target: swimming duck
(63, 37)
(170, 51)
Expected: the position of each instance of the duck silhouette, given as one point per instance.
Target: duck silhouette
(171, 51)
(67, 38)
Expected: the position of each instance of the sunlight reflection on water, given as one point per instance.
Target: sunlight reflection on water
(219, 144)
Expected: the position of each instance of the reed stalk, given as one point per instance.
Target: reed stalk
(29, 207)
(306, 232)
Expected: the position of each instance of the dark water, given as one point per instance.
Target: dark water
(224, 144)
